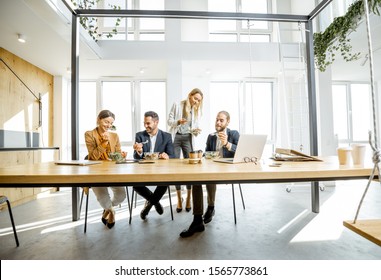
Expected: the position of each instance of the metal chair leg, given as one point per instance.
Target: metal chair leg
(136, 198)
(235, 217)
(243, 201)
(86, 211)
(170, 201)
(13, 223)
(128, 199)
(80, 204)
(132, 202)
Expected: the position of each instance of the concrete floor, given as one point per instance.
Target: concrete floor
(276, 225)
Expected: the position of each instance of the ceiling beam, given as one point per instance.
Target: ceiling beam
(190, 15)
(319, 8)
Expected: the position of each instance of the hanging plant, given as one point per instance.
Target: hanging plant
(335, 38)
(90, 24)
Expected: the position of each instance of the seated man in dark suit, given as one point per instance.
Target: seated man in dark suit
(152, 140)
(225, 142)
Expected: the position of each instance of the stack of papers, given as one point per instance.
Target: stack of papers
(282, 154)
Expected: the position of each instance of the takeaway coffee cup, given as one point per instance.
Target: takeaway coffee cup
(193, 154)
(344, 155)
(358, 153)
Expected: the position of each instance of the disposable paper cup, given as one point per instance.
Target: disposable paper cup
(344, 155)
(358, 154)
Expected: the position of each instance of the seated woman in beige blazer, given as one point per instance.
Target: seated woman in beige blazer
(100, 143)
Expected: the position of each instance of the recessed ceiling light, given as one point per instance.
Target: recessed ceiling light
(21, 38)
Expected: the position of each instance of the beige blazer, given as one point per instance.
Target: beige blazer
(94, 147)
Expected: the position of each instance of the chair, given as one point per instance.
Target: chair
(243, 202)
(132, 202)
(85, 190)
(4, 199)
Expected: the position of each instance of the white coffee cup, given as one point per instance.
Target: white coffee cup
(344, 155)
(358, 154)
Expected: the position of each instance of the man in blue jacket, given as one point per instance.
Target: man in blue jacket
(225, 142)
(152, 140)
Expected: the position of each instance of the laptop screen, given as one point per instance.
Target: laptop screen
(249, 146)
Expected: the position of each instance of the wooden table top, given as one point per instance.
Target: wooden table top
(179, 170)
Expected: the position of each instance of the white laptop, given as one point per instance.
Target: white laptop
(77, 162)
(249, 145)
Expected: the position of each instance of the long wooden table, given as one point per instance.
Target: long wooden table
(179, 171)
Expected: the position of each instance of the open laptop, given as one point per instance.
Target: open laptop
(249, 145)
(77, 162)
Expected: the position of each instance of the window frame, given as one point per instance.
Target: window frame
(349, 109)
(240, 31)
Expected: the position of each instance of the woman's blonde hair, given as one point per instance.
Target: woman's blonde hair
(187, 106)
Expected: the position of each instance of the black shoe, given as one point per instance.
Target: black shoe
(178, 210)
(111, 220)
(208, 216)
(105, 216)
(159, 208)
(145, 211)
(193, 228)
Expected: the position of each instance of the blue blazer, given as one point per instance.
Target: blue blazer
(163, 143)
(233, 136)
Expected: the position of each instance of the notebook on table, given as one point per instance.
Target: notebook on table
(249, 146)
(77, 162)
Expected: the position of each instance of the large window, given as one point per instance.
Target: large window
(352, 112)
(133, 29)
(239, 31)
(128, 100)
(250, 105)
(117, 97)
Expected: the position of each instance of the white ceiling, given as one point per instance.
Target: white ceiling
(48, 47)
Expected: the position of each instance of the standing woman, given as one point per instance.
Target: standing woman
(183, 123)
(100, 143)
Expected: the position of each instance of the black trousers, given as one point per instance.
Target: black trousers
(152, 197)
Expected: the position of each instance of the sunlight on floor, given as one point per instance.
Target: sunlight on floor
(328, 224)
(94, 216)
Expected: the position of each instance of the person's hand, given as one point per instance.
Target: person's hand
(182, 121)
(196, 131)
(223, 137)
(163, 156)
(124, 154)
(105, 136)
(138, 147)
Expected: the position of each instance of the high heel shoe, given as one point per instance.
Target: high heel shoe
(188, 208)
(178, 210)
(111, 219)
(104, 216)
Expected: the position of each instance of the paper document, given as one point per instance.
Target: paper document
(282, 154)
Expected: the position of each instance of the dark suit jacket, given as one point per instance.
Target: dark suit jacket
(163, 143)
(233, 136)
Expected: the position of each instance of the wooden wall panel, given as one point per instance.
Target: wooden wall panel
(19, 108)
(19, 111)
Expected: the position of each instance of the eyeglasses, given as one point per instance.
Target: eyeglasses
(250, 159)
